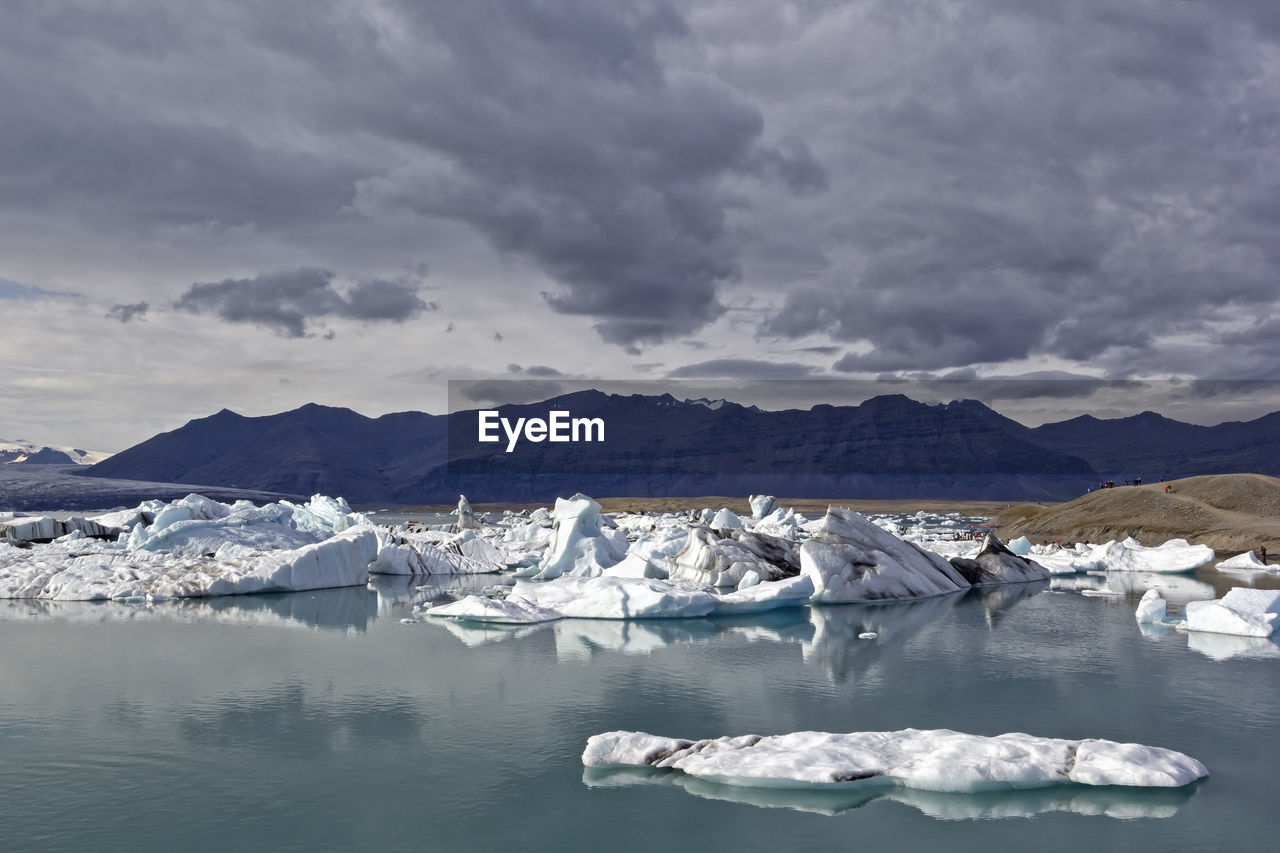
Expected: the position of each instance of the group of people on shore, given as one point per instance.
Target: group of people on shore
(1136, 481)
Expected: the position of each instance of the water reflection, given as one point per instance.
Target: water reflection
(1227, 646)
(397, 594)
(996, 601)
(347, 609)
(836, 648)
(287, 721)
(578, 639)
(1112, 801)
(829, 636)
(1122, 586)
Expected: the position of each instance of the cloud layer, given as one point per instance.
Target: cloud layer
(288, 301)
(730, 188)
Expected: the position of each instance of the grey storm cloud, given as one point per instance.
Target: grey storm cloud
(128, 313)
(539, 370)
(1077, 180)
(287, 301)
(617, 186)
(742, 368)
(500, 392)
(909, 186)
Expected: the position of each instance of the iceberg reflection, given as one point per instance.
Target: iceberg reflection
(344, 609)
(1113, 801)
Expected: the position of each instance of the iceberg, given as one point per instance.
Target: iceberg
(1242, 611)
(466, 516)
(762, 505)
(1248, 561)
(615, 598)
(1020, 546)
(579, 547)
(851, 559)
(792, 592)
(726, 519)
(1175, 555)
(196, 547)
(341, 560)
(1152, 609)
(995, 563)
(1120, 803)
(714, 560)
(930, 760)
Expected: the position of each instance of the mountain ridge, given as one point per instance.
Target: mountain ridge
(888, 446)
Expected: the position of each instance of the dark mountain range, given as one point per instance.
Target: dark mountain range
(886, 447)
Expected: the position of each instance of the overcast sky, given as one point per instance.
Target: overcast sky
(255, 205)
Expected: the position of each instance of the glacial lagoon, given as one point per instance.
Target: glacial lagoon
(320, 721)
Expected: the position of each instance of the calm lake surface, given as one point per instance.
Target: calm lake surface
(318, 721)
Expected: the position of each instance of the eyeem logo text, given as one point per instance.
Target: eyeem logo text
(558, 426)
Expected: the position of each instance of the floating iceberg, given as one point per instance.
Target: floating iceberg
(714, 560)
(1247, 561)
(1175, 555)
(726, 519)
(1110, 801)
(792, 592)
(197, 547)
(994, 563)
(579, 546)
(1242, 611)
(1152, 609)
(931, 760)
(624, 598)
(1020, 546)
(466, 516)
(341, 560)
(851, 559)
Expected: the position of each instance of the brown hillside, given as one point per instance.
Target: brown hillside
(1230, 513)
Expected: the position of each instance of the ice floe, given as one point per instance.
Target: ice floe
(1247, 561)
(1152, 608)
(1242, 611)
(580, 546)
(197, 547)
(852, 559)
(931, 760)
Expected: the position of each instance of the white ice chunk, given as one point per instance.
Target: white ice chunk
(1020, 546)
(1152, 608)
(475, 608)
(772, 595)
(762, 505)
(616, 598)
(466, 517)
(1247, 560)
(935, 760)
(1242, 611)
(726, 519)
(578, 546)
(1175, 555)
(851, 559)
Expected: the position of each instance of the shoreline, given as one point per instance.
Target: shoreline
(807, 506)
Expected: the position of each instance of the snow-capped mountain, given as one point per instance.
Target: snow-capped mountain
(29, 453)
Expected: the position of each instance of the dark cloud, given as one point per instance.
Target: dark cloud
(127, 313)
(499, 392)
(904, 188)
(287, 301)
(574, 147)
(742, 368)
(1073, 180)
(533, 370)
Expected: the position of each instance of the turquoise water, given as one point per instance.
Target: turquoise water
(318, 721)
